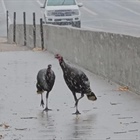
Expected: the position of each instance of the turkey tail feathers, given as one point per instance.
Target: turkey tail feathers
(91, 96)
(39, 92)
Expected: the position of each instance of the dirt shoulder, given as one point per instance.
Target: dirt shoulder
(4, 46)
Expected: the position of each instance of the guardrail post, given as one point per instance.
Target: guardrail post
(34, 30)
(7, 21)
(41, 33)
(24, 25)
(14, 28)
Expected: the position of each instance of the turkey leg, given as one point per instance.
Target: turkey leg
(42, 102)
(47, 109)
(76, 105)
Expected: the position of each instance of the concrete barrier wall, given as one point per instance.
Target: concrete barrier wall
(114, 56)
(20, 35)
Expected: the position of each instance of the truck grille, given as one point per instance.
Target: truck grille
(69, 19)
(58, 13)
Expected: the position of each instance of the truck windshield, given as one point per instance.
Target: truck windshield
(60, 2)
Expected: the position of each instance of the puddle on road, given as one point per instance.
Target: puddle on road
(56, 125)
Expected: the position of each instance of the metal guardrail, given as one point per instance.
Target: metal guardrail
(24, 26)
(34, 30)
(25, 30)
(7, 21)
(14, 28)
(41, 33)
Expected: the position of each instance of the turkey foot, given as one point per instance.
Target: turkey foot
(47, 109)
(42, 103)
(76, 113)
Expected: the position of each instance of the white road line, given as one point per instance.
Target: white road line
(41, 4)
(126, 23)
(130, 10)
(89, 11)
(3, 5)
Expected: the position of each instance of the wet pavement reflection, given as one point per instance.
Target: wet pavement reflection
(57, 126)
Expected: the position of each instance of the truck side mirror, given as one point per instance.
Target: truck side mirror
(42, 7)
(80, 4)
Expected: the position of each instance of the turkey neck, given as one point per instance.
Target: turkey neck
(63, 66)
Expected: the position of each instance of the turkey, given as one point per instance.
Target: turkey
(76, 81)
(45, 82)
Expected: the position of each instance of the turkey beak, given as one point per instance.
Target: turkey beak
(56, 56)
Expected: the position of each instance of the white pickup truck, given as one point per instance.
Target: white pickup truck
(62, 12)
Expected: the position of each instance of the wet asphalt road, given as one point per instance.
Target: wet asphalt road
(115, 115)
(117, 16)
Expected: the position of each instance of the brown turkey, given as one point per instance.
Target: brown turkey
(45, 82)
(77, 81)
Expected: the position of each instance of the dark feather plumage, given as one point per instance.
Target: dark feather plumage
(45, 82)
(76, 80)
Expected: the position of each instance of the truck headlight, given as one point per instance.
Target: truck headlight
(75, 12)
(50, 13)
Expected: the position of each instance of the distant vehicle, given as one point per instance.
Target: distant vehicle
(62, 12)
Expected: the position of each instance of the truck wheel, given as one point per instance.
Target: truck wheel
(77, 24)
